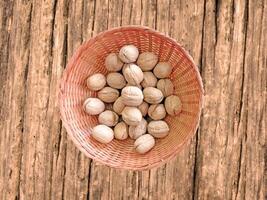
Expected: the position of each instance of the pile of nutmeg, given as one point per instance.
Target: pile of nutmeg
(134, 89)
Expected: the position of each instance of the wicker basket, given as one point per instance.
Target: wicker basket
(89, 59)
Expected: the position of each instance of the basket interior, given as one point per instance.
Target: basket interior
(89, 59)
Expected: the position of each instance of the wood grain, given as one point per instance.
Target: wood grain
(225, 160)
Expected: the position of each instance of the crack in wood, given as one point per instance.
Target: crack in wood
(65, 53)
(169, 17)
(243, 66)
(121, 12)
(202, 38)
(25, 95)
(156, 16)
(93, 26)
(239, 168)
(195, 173)
(216, 18)
(89, 179)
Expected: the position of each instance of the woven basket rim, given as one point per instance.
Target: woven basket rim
(78, 52)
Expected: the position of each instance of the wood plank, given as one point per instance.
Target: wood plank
(223, 86)
(13, 64)
(37, 158)
(59, 136)
(76, 178)
(252, 183)
(224, 130)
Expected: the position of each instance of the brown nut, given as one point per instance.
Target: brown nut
(144, 143)
(121, 131)
(131, 115)
(93, 106)
(132, 96)
(113, 63)
(96, 82)
(157, 111)
(108, 94)
(143, 108)
(147, 61)
(128, 53)
(152, 95)
(108, 118)
(116, 80)
(133, 74)
(149, 80)
(166, 87)
(123, 68)
(103, 133)
(126, 66)
(162, 70)
(118, 106)
(173, 105)
(137, 131)
(159, 128)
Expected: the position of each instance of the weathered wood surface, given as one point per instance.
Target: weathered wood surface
(225, 160)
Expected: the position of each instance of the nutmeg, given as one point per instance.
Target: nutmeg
(147, 61)
(137, 131)
(113, 63)
(123, 68)
(108, 118)
(143, 107)
(133, 74)
(121, 131)
(157, 111)
(108, 94)
(128, 53)
(93, 106)
(132, 83)
(118, 105)
(144, 143)
(116, 80)
(159, 128)
(152, 95)
(173, 105)
(149, 80)
(103, 133)
(166, 87)
(162, 70)
(96, 82)
(131, 116)
(132, 96)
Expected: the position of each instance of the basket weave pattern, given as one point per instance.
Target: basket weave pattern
(89, 59)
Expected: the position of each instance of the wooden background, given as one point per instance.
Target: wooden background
(225, 160)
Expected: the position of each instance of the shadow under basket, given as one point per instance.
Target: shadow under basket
(89, 59)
